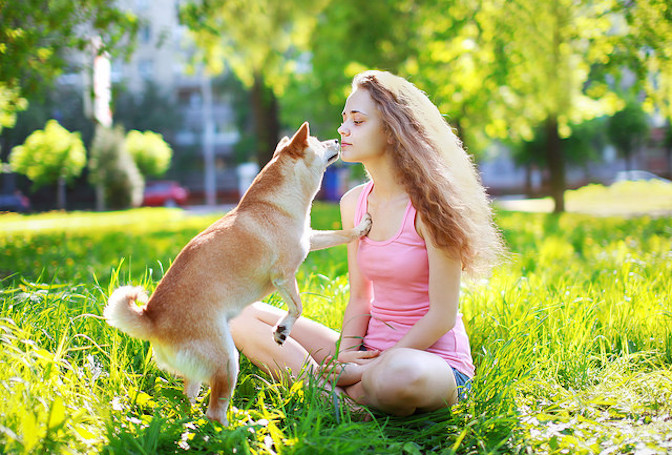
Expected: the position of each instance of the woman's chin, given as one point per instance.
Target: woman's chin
(348, 158)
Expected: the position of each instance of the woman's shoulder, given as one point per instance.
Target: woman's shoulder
(351, 197)
(349, 202)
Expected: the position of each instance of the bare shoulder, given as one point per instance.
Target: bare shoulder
(349, 205)
(350, 198)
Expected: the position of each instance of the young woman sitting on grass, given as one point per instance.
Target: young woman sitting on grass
(403, 347)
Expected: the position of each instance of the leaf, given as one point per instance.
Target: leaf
(56, 414)
(30, 431)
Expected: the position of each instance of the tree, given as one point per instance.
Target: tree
(150, 152)
(350, 36)
(10, 104)
(627, 130)
(113, 172)
(649, 53)
(508, 66)
(63, 105)
(151, 109)
(52, 155)
(37, 36)
(262, 42)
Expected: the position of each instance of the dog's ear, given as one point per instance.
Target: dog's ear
(299, 141)
(282, 144)
(301, 136)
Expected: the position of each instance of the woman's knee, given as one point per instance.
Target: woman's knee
(407, 380)
(245, 326)
(397, 383)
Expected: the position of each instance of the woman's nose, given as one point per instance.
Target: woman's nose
(343, 131)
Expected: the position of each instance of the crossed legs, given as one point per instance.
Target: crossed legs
(399, 382)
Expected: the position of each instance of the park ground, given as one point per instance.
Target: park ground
(571, 337)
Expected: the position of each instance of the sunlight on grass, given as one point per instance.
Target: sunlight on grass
(627, 198)
(139, 219)
(572, 340)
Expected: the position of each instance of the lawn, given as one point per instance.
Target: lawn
(572, 339)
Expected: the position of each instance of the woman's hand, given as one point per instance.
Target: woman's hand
(349, 367)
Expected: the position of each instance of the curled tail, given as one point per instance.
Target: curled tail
(123, 313)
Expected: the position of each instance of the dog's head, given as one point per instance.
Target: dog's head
(315, 154)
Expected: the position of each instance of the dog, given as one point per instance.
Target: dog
(247, 254)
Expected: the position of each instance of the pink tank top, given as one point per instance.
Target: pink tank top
(399, 271)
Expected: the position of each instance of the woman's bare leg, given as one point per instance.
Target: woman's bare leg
(307, 346)
(403, 381)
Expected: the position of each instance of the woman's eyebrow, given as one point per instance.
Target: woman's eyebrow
(354, 111)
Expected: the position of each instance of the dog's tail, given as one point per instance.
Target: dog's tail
(123, 313)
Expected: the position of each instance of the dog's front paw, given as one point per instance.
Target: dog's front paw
(280, 334)
(364, 226)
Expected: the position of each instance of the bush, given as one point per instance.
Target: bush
(113, 171)
(49, 155)
(150, 152)
(52, 155)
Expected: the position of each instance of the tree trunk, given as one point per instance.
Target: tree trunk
(556, 164)
(266, 121)
(100, 197)
(529, 192)
(627, 153)
(60, 193)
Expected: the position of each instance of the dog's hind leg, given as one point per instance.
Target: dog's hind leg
(191, 389)
(223, 380)
(289, 291)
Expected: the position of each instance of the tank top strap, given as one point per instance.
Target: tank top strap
(362, 202)
(409, 218)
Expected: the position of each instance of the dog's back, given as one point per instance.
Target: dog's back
(210, 277)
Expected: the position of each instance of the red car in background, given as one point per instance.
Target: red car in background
(164, 193)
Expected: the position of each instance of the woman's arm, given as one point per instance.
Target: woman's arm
(444, 292)
(357, 313)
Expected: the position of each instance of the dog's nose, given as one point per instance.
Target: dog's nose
(334, 141)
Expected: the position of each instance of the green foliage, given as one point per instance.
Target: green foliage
(628, 128)
(64, 105)
(150, 152)
(49, 155)
(261, 37)
(572, 341)
(10, 104)
(112, 168)
(650, 25)
(151, 109)
(350, 36)
(262, 42)
(35, 36)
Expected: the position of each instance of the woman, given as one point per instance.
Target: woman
(403, 347)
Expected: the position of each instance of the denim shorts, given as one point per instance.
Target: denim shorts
(463, 383)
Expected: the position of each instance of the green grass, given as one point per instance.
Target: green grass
(572, 340)
(626, 198)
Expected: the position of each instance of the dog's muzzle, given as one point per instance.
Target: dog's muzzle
(336, 154)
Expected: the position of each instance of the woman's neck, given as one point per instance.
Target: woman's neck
(385, 181)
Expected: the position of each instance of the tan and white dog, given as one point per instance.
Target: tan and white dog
(253, 250)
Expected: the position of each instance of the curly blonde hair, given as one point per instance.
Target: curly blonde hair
(436, 172)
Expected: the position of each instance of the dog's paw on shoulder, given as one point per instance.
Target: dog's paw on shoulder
(364, 226)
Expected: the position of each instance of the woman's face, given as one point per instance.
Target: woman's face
(362, 136)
